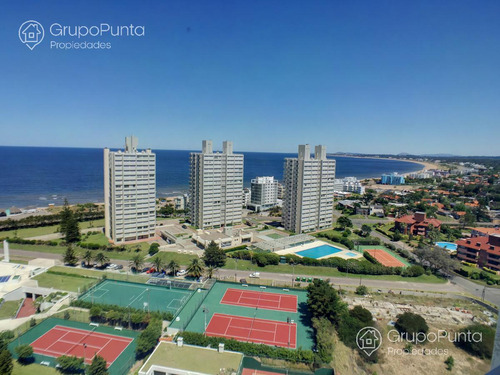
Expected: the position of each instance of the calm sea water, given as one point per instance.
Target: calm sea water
(41, 175)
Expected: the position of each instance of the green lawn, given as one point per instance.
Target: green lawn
(246, 265)
(9, 308)
(69, 283)
(366, 217)
(99, 239)
(33, 369)
(274, 235)
(41, 231)
(182, 259)
(99, 274)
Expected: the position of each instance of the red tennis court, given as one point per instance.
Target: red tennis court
(384, 258)
(70, 341)
(261, 300)
(260, 331)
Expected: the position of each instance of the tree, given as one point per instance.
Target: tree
(148, 339)
(344, 222)
(70, 257)
(98, 366)
(195, 268)
(69, 224)
(6, 364)
(468, 220)
(24, 353)
(362, 290)
(210, 270)
(366, 230)
(158, 263)
(412, 325)
(102, 259)
(214, 255)
(324, 301)
(437, 259)
(88, 257)
(154, 248)
(137, 262)
(173, 267)
(468, 339)
(70, 364)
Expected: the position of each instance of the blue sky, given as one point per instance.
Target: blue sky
(358, 76)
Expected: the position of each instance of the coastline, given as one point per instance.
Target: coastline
(95, 197)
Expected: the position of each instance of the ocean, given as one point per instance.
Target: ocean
(37, 176)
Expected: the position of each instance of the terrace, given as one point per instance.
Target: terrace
(171, 358)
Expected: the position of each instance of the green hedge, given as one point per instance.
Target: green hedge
(260, 350)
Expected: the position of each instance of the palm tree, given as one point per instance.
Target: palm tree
(173, 267)
(210, 270)
(102, 259)
(158, 263)
(137, 262)
(195, 268)
(87, 257)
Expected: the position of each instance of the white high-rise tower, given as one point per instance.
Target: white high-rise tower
(129, 193)
(215, 186)
(309, 187)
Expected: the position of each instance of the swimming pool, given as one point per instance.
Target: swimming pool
(447, 245)
(351, 254)
(319, 251)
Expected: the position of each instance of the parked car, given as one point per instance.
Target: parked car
(255, 275)
(146, 269)
(119, 267)
(181, 273)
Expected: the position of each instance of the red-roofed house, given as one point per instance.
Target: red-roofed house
(484, 251)
(484, 232)
(417, 224)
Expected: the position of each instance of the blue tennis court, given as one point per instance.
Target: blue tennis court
(319, 251)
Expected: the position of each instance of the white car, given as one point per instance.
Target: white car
(181, 273)
(255, 275)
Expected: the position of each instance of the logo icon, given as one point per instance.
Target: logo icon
(31, 33)
(369, 340)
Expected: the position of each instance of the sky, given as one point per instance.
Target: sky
(358, 76)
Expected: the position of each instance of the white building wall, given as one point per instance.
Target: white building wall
(309, 187)
(216, 186)
(129, 193)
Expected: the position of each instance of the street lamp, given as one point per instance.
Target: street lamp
(205, 311)
(84, 352)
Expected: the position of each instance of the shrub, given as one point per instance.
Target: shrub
(412, 325)
(482, 348)
(362, 290)
(24, 353)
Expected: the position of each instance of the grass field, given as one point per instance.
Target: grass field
(246, 265)
(69, 283)
(274, 235)
(182, 259)
(9, 308)
(99, 239)
(83, 272)
(41, 231)
(33, 369)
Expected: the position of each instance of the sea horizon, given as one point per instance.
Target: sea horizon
(38, 176)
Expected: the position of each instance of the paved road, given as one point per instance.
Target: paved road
(457, 284)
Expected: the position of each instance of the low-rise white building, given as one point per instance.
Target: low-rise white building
(349, 184)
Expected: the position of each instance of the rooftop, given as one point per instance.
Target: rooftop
(192, 358)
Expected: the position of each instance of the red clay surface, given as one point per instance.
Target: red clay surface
(384, 258)
(27, 309)
(247, 371)
(69, 341)
(260, 331)
(261, 300)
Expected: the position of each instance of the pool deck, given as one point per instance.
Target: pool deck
(307, 246)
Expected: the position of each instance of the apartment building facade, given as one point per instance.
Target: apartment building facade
(264, 193)
(215, 186)
(129, 193)
(308, 190)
